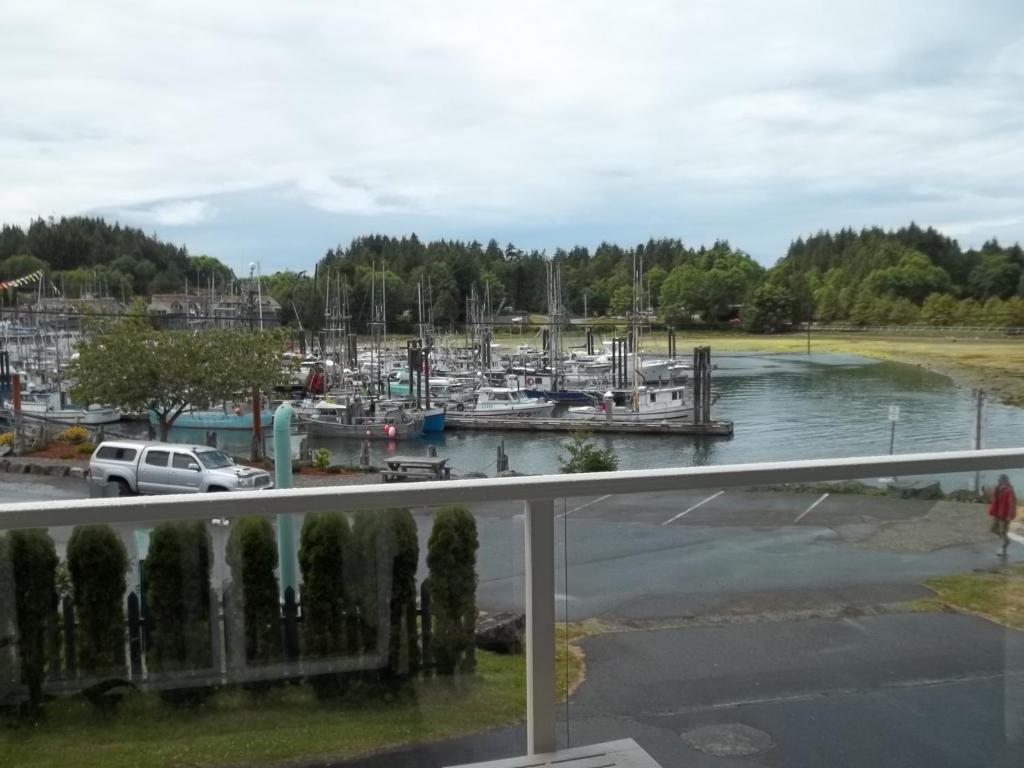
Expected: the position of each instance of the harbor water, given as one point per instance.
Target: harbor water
(785, 407)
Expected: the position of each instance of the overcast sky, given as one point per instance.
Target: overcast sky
(271, 131)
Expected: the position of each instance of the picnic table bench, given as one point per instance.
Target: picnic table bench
(415, 468)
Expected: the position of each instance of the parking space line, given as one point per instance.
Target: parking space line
(695, 506)
(807, 511)
(584, 506)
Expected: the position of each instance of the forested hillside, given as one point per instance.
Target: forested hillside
(905, 276)
(84, 255)
(702, 282)
(870, 277)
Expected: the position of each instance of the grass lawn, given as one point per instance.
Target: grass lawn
(284, 725)
(996, 595)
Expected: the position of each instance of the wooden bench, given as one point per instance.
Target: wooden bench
(625, 753)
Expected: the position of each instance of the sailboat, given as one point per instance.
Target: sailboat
(643, 402)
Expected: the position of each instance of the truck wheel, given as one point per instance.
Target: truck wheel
(123, 489)
(216, 489)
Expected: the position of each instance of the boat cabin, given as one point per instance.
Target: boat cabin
(501, 398)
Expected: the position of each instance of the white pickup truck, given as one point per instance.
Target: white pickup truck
(140, 467)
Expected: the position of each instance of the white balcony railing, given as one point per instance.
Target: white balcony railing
(537, 493)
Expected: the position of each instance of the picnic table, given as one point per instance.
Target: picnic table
(415, 468)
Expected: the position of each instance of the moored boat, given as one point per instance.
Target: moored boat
(640, 404)
(502, 402)
(330, 419)
(216, 418)
(56, 408)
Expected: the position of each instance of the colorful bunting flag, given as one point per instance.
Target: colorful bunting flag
(21, 281)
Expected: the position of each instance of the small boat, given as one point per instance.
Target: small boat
(55, 407)
(501, 402)
(433, 417)
(642, 404)
(330, 419)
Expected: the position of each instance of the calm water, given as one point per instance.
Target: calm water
(783, 406)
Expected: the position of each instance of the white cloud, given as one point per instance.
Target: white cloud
(178, 213)
(477, 111)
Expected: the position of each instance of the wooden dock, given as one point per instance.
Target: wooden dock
(456, 421)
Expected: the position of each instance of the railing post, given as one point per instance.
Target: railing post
(540, 626)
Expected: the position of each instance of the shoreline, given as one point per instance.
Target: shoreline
(995, 365)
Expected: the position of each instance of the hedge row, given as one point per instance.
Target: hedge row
(341, 596)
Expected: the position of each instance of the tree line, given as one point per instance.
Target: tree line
(867, 277)
(84, 256)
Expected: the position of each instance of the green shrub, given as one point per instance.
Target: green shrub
(401, 542)
(451, 560)
(8, 627)
(34, 566)
(85, 448)
(361, 580)
(252, 556)
(178, 603)
(384, 540)
(98, 564)
(321, 458)
(584, 456)
(323, 544)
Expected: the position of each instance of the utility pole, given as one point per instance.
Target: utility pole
(979, 430)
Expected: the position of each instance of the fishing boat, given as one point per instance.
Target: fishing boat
(216, 418)
(330, 419)
(505, 402)
(644, 403)
(433, 417)
(54, 406)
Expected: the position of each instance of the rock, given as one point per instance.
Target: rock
(501, 632)
(921, 489)
(472, 476)
(511, 473)
(76, 472)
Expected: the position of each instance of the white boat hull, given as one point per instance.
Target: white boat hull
(591, 413)
(532, 411)
(92, 417)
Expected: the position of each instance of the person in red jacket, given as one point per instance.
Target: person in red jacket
(1002, 510)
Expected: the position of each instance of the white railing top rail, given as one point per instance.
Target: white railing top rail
(428, 494)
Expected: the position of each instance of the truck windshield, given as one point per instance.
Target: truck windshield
(214, 459)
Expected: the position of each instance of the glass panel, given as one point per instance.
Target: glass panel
(115, 453)
(806, 624)
(157, 458)
(397, 629)
(182, 461)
